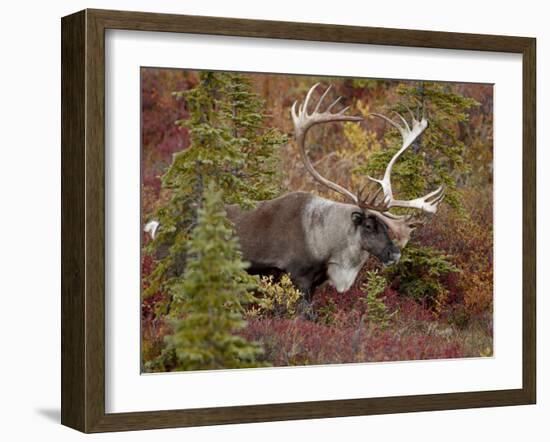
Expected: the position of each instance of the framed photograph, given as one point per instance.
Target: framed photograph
(268, 221)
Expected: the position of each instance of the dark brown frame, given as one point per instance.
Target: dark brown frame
(83, 215)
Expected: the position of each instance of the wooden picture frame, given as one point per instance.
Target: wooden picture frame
(83, 220)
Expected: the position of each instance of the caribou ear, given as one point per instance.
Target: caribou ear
(357, 218)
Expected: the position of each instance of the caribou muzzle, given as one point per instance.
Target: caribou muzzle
(391, 256)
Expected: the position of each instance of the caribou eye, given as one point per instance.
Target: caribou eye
(357, 218)
(370, 224)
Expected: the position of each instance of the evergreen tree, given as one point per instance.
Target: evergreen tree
(437, 156)
(257, 178)
(377, 311)
(229, 146)
(209, 299)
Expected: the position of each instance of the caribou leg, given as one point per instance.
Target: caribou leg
(307, 284)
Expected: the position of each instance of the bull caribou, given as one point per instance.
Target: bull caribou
(314, 239)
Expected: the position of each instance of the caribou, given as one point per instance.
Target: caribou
(314, 239)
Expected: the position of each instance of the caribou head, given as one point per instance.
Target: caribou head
(372, 216)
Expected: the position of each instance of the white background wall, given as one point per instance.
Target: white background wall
(30, 217)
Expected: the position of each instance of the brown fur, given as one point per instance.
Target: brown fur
(272, 236)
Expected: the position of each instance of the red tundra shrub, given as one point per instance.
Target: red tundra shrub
(302, 342)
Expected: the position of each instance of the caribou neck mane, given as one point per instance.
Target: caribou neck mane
(344, 257)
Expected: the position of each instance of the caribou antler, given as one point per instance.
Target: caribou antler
(303, 121)
(427, 203)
